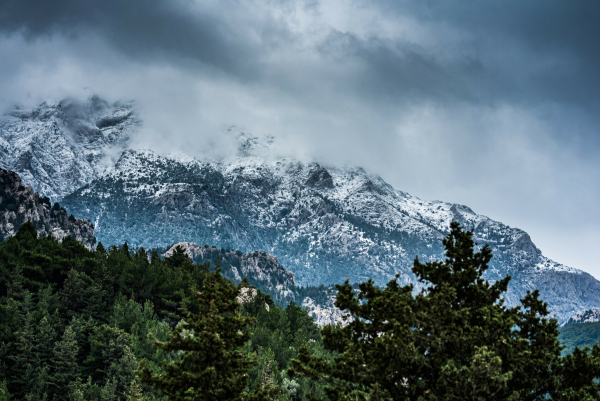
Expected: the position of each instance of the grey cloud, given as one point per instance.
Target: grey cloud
(513, 51)
(545, 49)
(156, 29)
(400, 70)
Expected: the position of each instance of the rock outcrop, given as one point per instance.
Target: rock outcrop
(260, 268)
(589, 316)
(19, 203)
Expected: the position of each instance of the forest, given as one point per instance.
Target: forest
(74, 323)
(113, 324)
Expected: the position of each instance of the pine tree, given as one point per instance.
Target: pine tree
(109, 391)
(80, 391)
(455, 340)
(24, 359)
(212, 366)
(4, 393)
(46, 337)
(135, 392)
(64, 363)
(38, 391)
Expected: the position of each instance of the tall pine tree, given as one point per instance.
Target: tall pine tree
(455, 340)
(212, 366)
(64, 363)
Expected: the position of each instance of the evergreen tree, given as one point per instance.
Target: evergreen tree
(39, 386)
(135, 392)
(24, 359)
(178, 258)
(454, 340)
(212, 366)
(111, 358)
(45, 339)
(109, 391)
(4, 393)
(64, 363)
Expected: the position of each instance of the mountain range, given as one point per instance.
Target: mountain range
(324, 223)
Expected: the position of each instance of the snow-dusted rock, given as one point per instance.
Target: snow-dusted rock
(60, 146)
(323, 314)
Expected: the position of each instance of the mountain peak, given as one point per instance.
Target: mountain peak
(58, 147)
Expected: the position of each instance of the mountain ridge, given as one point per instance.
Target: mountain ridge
(59, 146)
(324, 223)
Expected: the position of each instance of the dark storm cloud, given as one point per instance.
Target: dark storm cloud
(514, 50)
(159, 29)
(511, 50)
(532, 49)
(402, 70)
(182, 31)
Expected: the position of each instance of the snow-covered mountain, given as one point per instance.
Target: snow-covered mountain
(60, 146)
(324, 223)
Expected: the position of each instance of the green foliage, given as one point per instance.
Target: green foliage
(211, 365)
(74, 323)
(579, 335)
(64, 363)
(454, 340)
(4, 394)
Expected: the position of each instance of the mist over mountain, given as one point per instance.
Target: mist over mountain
(59, 146)
(325, 223)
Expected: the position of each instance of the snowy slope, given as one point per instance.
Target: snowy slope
(60, 146)
(325, 224)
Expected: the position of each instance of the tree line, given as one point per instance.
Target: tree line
(109, 324)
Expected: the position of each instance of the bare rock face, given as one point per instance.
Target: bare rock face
(319, 177)
(18, 204)
(265, 272)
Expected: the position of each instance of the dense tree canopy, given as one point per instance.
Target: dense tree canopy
(454, 340)
(74, 323)
(212, 366)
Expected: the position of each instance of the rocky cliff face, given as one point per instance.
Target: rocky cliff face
(60, 146)
(589, 316)
(18, 204)
(260, 268)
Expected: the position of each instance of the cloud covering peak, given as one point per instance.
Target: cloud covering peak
(494, 105)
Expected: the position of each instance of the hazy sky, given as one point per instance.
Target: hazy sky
(492, 104)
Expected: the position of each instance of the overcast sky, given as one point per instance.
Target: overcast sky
(491, 104)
